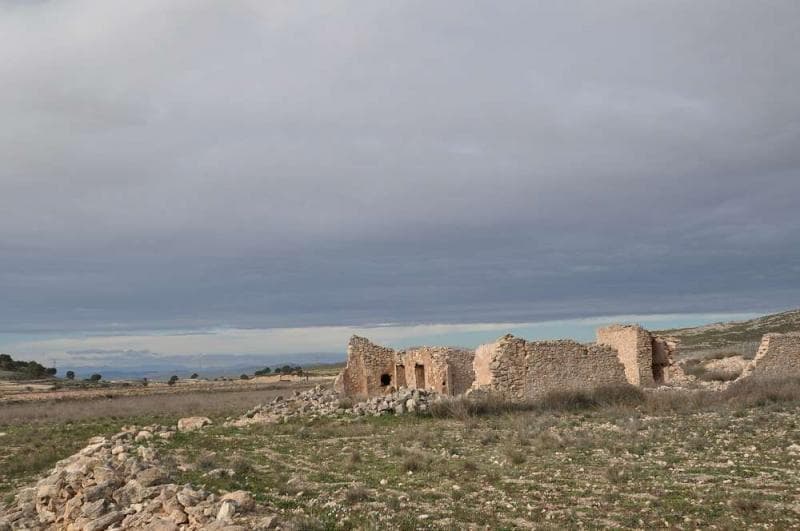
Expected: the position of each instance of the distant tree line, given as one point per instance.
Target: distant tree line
(286, 369)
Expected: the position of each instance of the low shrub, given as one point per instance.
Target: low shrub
(759, 391)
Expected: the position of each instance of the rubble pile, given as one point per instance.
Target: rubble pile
(322, 402)
(120, 483)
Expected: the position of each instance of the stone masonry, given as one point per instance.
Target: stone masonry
(512, 366)
(648, 358)
(777, 356)
(373, 370)
(522, 369)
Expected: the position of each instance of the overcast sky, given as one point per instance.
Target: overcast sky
(197, 164)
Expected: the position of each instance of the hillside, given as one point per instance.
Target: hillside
(724, 335)
(11, 369)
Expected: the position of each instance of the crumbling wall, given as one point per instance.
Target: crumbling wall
(634, 345)
(367, 368)
(499, 367)
(447, 370)
(777, 356)
(567, 365)
(664, 368)
(373, 370)
(522, 369)
(461, 372)
(431, 364)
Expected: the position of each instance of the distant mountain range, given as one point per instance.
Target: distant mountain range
(722, 335)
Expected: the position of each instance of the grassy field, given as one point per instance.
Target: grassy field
(34, 435)
(613, 459)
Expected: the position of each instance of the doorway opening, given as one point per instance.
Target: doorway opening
(419, 376)
(400, 375)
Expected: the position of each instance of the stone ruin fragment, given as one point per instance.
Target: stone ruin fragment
(520, 369)
(777, 356)
(648, 358)
(373, 370)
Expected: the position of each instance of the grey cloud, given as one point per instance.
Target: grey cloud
(198, 164)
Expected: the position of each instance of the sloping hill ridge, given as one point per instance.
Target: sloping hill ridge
(11, 369)
(722, 335)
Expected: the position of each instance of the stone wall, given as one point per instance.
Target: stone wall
(777, 356)
(522, 369)
(634, 345)
(512, 366)
(461, 372)
(426, 368)
(373, 370)
(368, 365)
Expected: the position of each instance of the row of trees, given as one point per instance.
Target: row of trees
(286, 369)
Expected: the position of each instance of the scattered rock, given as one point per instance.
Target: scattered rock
(322, 402)
(243, 500)
(193, 423)
(226, 511)
(143, 435)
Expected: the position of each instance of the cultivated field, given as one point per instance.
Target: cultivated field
(613, 458)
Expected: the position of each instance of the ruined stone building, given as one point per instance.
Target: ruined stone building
(777, 356)
(520, 369)
(511, 366)
(373, 370)
(648, 358)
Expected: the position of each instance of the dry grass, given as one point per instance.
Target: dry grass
(492, 405)
(672, 460)
(207, 403)
(622, 400)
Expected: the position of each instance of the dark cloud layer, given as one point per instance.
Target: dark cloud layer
(196, 163)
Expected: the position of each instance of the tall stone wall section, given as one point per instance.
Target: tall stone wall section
(462, 374)
(634, 346)
(777, 356)
(522, 369)
(366, 363)
(500, 367)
